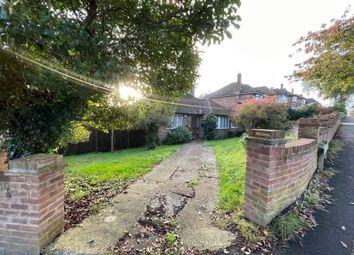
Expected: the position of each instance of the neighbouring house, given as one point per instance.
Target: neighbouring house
(190, 112)
(235, 93)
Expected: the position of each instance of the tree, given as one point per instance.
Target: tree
(154, 115)
(150, 45)
(209, 123)
(329, 67)
(33, 118)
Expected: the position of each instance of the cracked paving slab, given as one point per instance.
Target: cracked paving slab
(99, 232)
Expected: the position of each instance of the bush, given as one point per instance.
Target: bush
(304, 112)
(266, 113)
(178, 135)
(152, 136)
(209, 124)
(235, 133)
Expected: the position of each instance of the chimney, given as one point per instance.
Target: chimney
(292, 91)
(192, 91)
(238, 83)
(282, 86)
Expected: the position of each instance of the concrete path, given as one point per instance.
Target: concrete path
(335, 232)
(100, 232)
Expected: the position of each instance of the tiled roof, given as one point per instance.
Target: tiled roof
(283, 92)
(311, 100)
(192, 105)
(265, 91)
(230, 90)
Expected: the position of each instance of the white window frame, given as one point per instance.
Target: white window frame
(293, 98)
(176, 121)
(282, 99)
(223, 122)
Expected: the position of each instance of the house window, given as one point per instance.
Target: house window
(294, 99)
(2, 10)
(233, 124)
(282, 99)
(176, 121)
(303, 102)
(223, 122)
(258, 97)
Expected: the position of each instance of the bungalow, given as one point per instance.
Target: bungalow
(190, 112)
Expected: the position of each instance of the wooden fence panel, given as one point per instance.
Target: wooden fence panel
(101, 142)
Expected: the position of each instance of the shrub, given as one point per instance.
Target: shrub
(235, 133)
(265, 113)
(304, 112)
(209, 124)
(152, 136)
(178, 135)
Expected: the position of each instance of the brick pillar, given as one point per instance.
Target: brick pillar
(32, 207)
(3, 160)
(265, 157)
(309, 128)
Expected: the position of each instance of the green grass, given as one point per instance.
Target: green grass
(231, 160)
(334, 147)
(87, 171)
(288, 226)
(170, 239)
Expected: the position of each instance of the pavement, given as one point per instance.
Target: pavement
(167, 183)
(334, 234)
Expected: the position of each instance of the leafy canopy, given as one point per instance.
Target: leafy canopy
(150, 45)
(329, 67)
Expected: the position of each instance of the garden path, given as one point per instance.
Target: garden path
(166, 185)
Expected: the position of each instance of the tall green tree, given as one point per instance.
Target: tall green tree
(148, 44)
(329, 67)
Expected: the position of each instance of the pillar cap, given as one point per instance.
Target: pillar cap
(36, 164)
(267, 136)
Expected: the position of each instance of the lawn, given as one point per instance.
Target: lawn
(231, 160)
(87, 172)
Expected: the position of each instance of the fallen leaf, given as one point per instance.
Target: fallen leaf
(343, 227)
(226, 251)
(352, 203)
(344, 244)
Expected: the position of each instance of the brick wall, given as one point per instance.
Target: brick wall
(31, 204)
(3, 160)
(277, 173)
(321, 128)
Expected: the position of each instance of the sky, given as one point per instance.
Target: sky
(260, 49)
